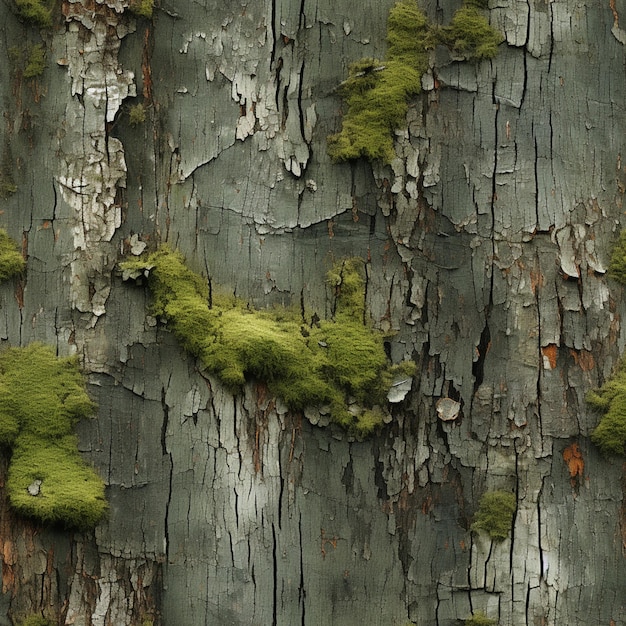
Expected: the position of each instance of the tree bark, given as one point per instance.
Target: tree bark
(487, 242)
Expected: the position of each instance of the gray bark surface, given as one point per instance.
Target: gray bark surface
(487, 242)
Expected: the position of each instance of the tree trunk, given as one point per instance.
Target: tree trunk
(487, 242)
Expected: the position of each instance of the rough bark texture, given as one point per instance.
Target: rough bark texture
(486, 241)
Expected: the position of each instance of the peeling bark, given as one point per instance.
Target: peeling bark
(486, 241)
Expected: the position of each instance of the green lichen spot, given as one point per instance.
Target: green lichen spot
(41, 399)
(137, 114)
(339, 363)
(495, 514)
(11, 261)
(610, 434)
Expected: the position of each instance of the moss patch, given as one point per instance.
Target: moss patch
(340, 363)
(35, 620)
(11, 261)
(35, 64)
(610, 434)
(41, 399)
(617, 265)
(495, 514)
(35, 11)
(480, 619)
(377, 92)
(143, 8)
(470, 34)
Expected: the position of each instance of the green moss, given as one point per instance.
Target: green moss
(143, 8)
(35, 620)
(610, 399)
(35, 11)
(617, 265)
(339, 363)
(495, 514)
(41, 399)
(480, 619)
(137, 114)
(11, 261)
(470, 34)
(377, 92)
(36, 62)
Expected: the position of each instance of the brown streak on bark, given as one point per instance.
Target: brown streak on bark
(146, 69)
(615, 14)
(549, 356)
(584, 359)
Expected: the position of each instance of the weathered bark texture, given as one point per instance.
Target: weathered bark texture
(486, 242)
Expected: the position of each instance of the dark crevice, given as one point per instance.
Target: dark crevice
(478, 367)
(301, 588)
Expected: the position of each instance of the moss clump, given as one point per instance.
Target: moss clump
(377, 92)
(35, 11)
(41, 399)
(11, 261)
(36, 62)
(143, 8)
(495, 514)
(328, 363)
(617, 265)
(610, 434)
(480, 619)
(470, 34)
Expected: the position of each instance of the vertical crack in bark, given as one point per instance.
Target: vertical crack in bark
(275, 576)
(165, 408)
(478, 367)
(301, 587)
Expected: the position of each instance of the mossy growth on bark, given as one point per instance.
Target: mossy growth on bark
(610, 399)
(27, 61)
(610, 434)
(42, 397)
(480, 619)
(495, 514)
(377, 92)
(339, 364)
(143, 8)
(36, 12)
(35, 620)
(11, 261)
(470, 34)
(617, 264)
(35, 63)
